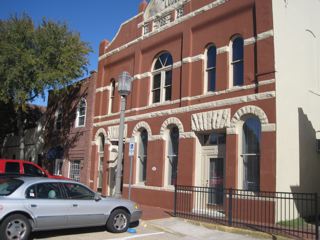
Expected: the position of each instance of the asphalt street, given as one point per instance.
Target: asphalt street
(164, 229)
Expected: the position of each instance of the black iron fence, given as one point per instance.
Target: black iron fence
(282, 213)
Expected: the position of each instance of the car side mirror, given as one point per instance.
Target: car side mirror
(97, 197)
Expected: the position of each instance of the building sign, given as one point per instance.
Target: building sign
(157, 6)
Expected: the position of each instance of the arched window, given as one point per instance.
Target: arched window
(142, 155)
(211, 68)
(162, 78)
(251, 135)
(173, 154)
(112, 94)
(81, 113)
(237, 61)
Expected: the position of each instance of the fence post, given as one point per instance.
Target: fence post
(230, 207)
(317, 216)
(175, 201)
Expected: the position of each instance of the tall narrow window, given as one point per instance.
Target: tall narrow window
(101, 160)
(58, 119)
(162, 78)
(112, 94)
(251, 154)
(173, 152)
(237, 61)
(211, 68)
(81, 113)
(142, 155)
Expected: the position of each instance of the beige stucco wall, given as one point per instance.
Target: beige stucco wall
(297, 60)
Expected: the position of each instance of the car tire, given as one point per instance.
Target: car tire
(118, 221)
(15, 226)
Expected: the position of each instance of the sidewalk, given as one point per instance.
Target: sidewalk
(152, 213)
(163, 219)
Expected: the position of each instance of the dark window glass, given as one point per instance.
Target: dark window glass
(251, 153)
(143, 149)
(12, 167)
(44, 191)
(237, 61)
(211, 68)
(157, 81)
(76, 191)
(29, 169)
(8, 186)
(112, 94)
(173, 152)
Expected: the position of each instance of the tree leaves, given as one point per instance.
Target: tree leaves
(36, 58)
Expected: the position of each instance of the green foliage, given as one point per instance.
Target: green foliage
(36, 58)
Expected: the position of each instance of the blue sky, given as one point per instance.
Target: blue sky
(95, 20)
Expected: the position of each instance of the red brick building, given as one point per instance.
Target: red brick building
(69, 130)
(203, 104)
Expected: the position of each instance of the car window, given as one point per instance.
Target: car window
(12, 167)
(29, 169)
(76, 191)
(44, 191)
(8, 186)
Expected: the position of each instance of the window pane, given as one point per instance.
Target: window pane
(75, 170)
(32, 170)
(76, 191)
(252, 170)
(237, 49)
(157, 65)
(44, 191)
(12, 167)
(157, 81)
(156, 96)
(212, 80)
(211, 57)
(168, 93)
(252, 134)
(168, 80)
(238, 74)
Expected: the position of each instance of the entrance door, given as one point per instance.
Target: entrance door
(216, 177)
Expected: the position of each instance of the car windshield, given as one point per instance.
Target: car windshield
(9, 185)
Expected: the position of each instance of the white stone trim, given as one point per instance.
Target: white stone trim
(113, 132)
(195, 107)
(193, 59)
(204, 121)
(171, 24)
(144, 125)
(156, 138)
(271, 127)
(205, 95)
(139, 186)
(96, 136)
(173, 121)
(124, 23)
(224, 49)
(187, 135)
(250, 109)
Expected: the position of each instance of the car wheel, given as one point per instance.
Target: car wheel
(14, 227)
(118, 221)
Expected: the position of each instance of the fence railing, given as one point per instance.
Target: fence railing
(282, 213)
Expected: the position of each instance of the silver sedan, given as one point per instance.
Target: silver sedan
(35, 204)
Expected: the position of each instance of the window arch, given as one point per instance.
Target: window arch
(142, 155)
(237, 55)
(211, 55)
(112, 96)
(162, 78)
(81, 113)
(251, 137)
(172, 155)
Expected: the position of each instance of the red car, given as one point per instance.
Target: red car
(23, 167)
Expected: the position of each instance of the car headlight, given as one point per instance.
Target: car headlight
(136, 206)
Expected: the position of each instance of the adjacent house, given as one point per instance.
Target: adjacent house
(225, 93)
(69, 128)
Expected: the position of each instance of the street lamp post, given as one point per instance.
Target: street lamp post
(124, 89)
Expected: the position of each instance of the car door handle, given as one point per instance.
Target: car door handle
(33, 205)
(75, 205)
